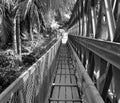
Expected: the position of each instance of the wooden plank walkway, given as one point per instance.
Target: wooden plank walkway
(64, 87)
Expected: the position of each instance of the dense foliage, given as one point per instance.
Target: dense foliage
(25, 33)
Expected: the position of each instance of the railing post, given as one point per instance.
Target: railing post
(91, 64)
(107, 81)
(79, 51)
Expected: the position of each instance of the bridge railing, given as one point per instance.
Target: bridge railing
(101, 61)
(86, 86)
(33, 84)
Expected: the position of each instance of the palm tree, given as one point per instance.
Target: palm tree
(15, 18)
(6, 27)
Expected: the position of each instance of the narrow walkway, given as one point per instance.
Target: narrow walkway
(64, 87)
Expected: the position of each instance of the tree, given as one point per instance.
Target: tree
(17, 17)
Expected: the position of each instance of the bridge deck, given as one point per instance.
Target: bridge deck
(64, 87)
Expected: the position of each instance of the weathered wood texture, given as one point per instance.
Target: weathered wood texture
(65, 89)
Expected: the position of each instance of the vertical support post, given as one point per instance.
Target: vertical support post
(99, 20)
(79, 48)
(103, 70)
(114, 4)
(91, 64)
(79, 15)
(107, 82)
(110, 19)
(89, 28)
(97, 62)
(81, 25)
(116, 82)
(85, 16)
(93, 21)
(85, 25)
(82, 18)
(89, 18)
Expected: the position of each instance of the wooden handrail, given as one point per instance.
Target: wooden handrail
(109, 51)
(91, 93)
(22, 81)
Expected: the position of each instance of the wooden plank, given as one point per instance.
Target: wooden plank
(68, 79)
(59, 66)
(53, 101)
(75, 94)
(68, 94)
(62, 89)
(57, 79)
(70, 64)
(66, 66)
(65, 93)
(67, 71)
(71, 71)
(55, 94)
(70, 61)
(59, 71)
(62, 79)
(73, 80)
(66, 62)
(64, 84)
(63, 65)
(62, 94)
(65, 100)
(63, 71)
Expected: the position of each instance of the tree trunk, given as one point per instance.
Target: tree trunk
(15, 41)
(31, 27)
(17, 37)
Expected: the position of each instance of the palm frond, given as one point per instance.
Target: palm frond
(7, 28)
(24, 8)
